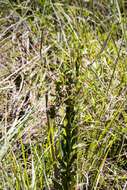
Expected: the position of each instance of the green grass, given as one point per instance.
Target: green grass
(63, 86)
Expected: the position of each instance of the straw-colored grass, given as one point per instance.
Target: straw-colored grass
(63, 91)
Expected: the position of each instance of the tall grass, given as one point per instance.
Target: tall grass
(63, 93)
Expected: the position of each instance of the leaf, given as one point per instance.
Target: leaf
(65, 122)
(62, 163)
(73, 141)
(74, 157)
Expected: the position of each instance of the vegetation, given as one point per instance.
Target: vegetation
(63, 95)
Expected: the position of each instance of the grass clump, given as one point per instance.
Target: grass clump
(63, 93)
